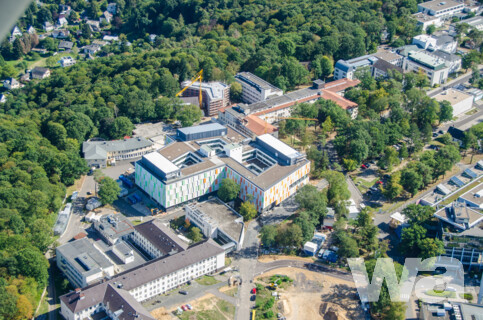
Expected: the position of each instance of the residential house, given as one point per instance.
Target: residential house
(106, 17)
(459, 100)
(11, 83)
(62, 21)
(67, 62)
(48, 26)
(65, 45)
(91, 49)
(25, 77)
(31, 30)
(61, 34)
(95, 26)
(112, 8)
(64, 8)
(40, 73)
(99, 43)
(16, 32)
(434, 67)
(110, 38)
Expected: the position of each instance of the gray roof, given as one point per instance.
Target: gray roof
(384, 66)
(123, 304)
(161, 237)
(255, 81)
(450, 57)
(84, 257)
(66, 44)
(142, 274)
(219, 214)
(404, 51)
(39, 71)
(114, 226)
(202, 128)
(443, 39)
(99, 149)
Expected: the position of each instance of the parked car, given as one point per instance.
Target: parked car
(89, 193)
(363, 166)
(253, 298)
(184, 292)
(254, 291)
(189, 306)
(184, 308)
(379, 182)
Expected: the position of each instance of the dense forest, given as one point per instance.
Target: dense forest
(44, 124)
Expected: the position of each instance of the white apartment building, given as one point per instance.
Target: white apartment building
(347, 69)
(442, 9)
(425, 20)
(434, 67)
(157, 240)
(82, 263)
(120, 297)
(255, 89)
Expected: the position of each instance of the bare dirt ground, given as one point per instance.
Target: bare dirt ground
(208, 302)
(271, 258)
(317, 296)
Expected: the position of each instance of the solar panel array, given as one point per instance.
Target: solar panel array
(457, 182)
(470, 174)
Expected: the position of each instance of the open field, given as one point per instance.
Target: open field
(206, 307)
(316, 296)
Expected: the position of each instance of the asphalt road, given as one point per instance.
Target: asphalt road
(462, 79)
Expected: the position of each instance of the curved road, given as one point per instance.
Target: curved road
(250, 267)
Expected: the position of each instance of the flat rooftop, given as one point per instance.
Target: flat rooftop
(263, 180)
(427, 60)
(474, 195)
(149, 130)
(226, 219)
(215, 90)
(256, 81)
(438, 5)
(462, 211)
(423, 17)
(453, 96)
(84, 257)
(387, 55)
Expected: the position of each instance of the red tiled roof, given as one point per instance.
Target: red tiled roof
(258, 126)
(340, 101)
(340, 85)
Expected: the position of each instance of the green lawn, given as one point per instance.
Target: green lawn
(207, 281)
(467, 296)
(463, 190)
(231, 292)
(446, 294)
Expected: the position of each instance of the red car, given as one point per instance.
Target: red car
(363, 166)
(379, 182)
(185, 308)
(254, 291)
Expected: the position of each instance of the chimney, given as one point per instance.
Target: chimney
(82, 296)
(77, 290)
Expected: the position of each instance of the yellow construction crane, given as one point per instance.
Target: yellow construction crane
(199, 76)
